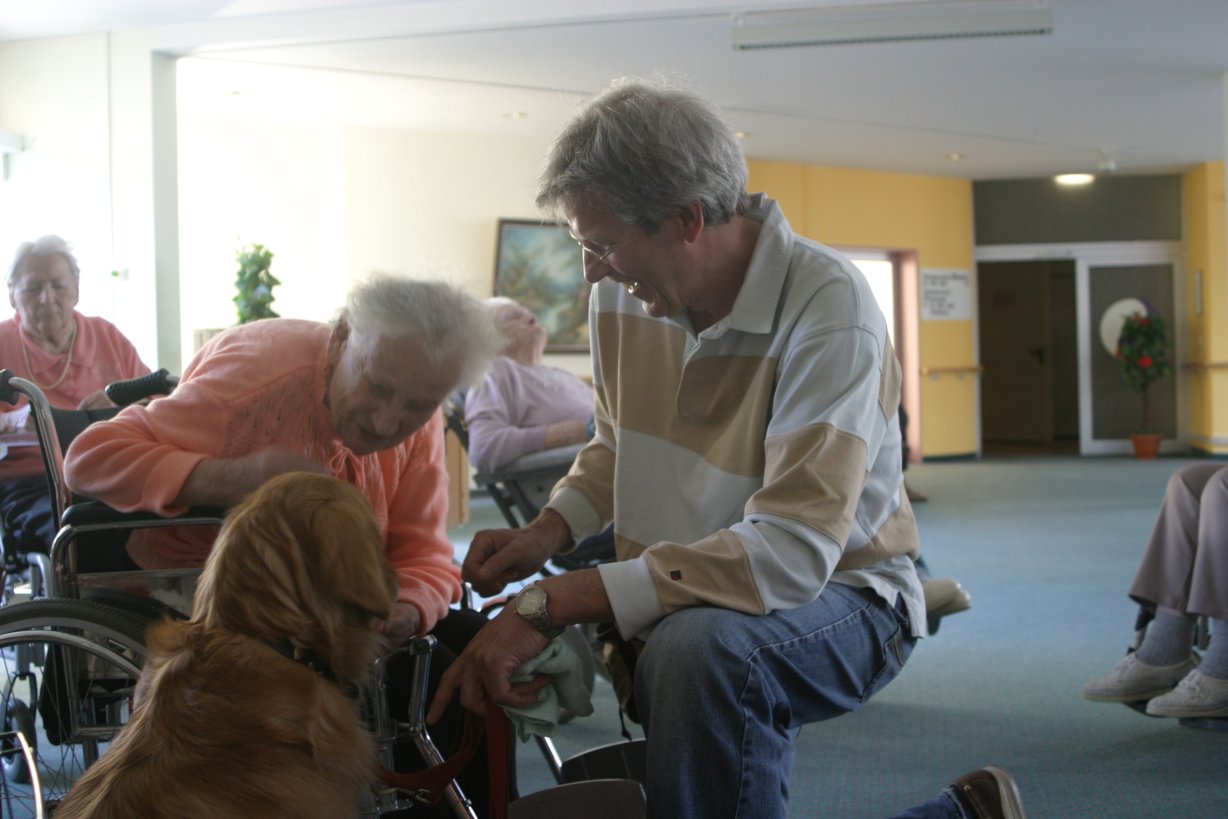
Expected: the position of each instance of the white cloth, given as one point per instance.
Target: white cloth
(566, 690)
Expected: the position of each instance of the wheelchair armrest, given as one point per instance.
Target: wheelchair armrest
(94, 513)
(544, 459)
(521, 487)
(547, 461)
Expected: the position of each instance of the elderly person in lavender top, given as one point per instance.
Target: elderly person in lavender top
(524, 405)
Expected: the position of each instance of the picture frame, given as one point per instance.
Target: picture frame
(539, 266)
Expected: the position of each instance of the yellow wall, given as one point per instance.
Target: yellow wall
(930, 216)
(1206, 226)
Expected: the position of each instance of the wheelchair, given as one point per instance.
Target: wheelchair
(521, 488)
(26, 572)
(71, 654)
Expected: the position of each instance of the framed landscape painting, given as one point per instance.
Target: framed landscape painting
(538, 264)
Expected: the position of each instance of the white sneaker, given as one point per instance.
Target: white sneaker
(943, 596)
(1197, 695)
(1132, 680)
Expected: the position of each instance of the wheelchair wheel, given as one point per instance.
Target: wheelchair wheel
(68, 672)
(18, 719)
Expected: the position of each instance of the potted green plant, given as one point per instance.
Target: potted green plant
(255, 284)
(1142, 353)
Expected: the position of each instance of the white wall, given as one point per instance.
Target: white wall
(332, 202)
(428, 204)
(244, 182)
(335, 204)
(81, 103)
(54, 94)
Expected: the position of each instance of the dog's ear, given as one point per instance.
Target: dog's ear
(300, 557)
(349, 548)
(353, 582)
(256, 580)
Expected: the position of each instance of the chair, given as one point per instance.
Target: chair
(594, 799)
(70, 660)
(71, 651)
(56, 428)
(520, 489)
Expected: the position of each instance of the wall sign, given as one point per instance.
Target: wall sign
(946, 295)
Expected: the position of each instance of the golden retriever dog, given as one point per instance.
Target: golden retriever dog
(228, 723)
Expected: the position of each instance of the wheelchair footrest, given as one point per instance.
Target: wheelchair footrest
(617, 760)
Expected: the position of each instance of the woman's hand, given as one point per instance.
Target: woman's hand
(95, 400)
(562, 433)
(226, 481)
(403, 624)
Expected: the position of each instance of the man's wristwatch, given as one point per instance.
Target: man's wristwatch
(531, 605)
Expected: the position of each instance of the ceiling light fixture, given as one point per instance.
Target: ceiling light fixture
(891, 22)
(1071, 179)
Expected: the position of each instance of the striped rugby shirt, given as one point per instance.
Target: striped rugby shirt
(750, 465)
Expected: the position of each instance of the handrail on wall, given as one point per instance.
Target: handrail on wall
(958, 372)
(1205, 365)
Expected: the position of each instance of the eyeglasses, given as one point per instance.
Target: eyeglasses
(602, 254)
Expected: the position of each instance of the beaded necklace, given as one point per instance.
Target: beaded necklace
(72, 345)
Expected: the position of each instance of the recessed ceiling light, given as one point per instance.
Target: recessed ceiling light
(1074, 179)
(955, 156)
(741, 134)
(516, 115)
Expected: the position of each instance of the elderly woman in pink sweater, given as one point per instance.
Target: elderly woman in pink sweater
(70, 356)
(359, 400)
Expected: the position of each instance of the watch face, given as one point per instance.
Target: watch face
(531, 605)
(530, 601)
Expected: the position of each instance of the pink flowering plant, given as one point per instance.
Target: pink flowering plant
(1142, 352)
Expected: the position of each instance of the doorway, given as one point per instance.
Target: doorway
(1024, 303)
(1028, 339)
(893, 279)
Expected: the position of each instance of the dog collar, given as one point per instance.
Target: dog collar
(304, 656)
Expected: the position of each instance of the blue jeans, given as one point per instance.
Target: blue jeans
(722, 696)
(942, 806)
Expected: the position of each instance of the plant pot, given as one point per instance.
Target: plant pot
(1146, 444)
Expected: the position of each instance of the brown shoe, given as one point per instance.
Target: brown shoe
(990, 793)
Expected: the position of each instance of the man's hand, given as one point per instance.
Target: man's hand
(402, 625)
(501, 556)
(484, 669)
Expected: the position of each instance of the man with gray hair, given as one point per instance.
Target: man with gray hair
(747, 450)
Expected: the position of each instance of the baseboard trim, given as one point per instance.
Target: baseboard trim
(966, 456)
